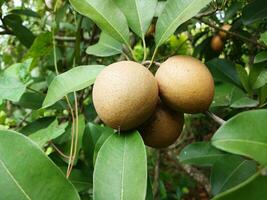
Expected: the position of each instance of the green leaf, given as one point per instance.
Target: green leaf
(139, 14)
(41, 46)
(260, 57)
(174, 14)
(106, 15)
(31, 100)
(121, 168)
(224, 70)
(24, 35)
(11, 88)
(159, 8)
(223, 94)
(261, 79)
(232, 10)
(244, 134)
(243, 76)
(264, 37)
(27, 173)
(75, 79)
(41, 137)
(245, 102)
(25, 11)
(37, 125)
(255, 11)
(254, 188)
(81, 181)
(106, 46)
(104, 136)
(230, 171)
(200, 154)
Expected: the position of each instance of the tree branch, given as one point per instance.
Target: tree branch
(215, 117)
(231, 33)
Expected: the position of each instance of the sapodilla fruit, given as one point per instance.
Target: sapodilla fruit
(163, 128)
(226, 27)
(185, 84)
(217, 43)
(125, 95)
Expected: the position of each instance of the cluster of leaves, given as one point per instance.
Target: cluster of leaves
(40, 91)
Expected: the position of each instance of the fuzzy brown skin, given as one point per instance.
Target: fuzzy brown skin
(163, 128)
(125, 95)
(226, 27)
(216, 43)
(185, 84)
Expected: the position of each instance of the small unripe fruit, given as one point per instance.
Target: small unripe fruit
(217, 43)
(125, 95)
(226, 27)
(163, 128)
(185, 84)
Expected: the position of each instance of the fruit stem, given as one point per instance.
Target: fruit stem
(144, 47)
(153, 57)
(215, 117)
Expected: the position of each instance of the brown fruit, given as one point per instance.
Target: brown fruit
(125, 95)
(217, 43)
(163, 128)
(185, 84)
(151, 30)
(226, 27)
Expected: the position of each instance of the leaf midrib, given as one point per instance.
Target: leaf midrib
(123, 169)
(15, 181)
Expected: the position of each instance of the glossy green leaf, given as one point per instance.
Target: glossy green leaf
(264, 37)
(31, 100)
(244, 134)
(106, 46)
(24, 35)
(245, 102)
(261, 79)
(232, 10)
(201, 154)
(37, 125)
(261, 57)
(28, 174)
(174, 14)
(41, 137)
(73, 80)
(224, 70)
(42, 46)
(92, 133)
(254, 188)
(106, 15)
(159, 8)
(11, 88)
(223, 94)
(121, 168)
(81, 180)
(243, 76)
(255, 11)
(230, 171)
(139, 14)
(26, 11)
(104, 136)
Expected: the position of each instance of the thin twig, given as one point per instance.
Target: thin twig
(58, 150)
(232, 33)
(215, 117)
(198, 176)
(156, 175)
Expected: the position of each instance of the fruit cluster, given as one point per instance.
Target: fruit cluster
(126, 95)
(217, 41)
